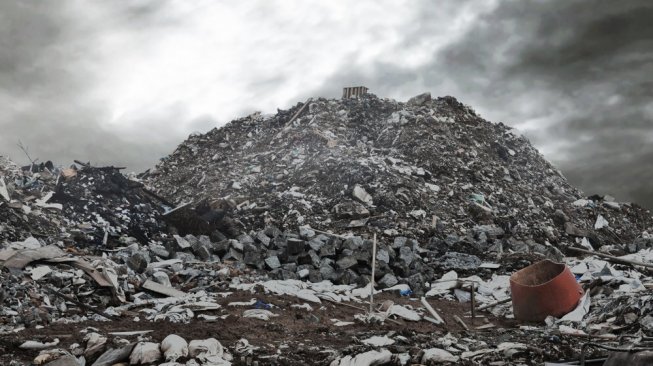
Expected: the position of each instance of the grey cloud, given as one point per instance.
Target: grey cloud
(566, 60)
(46, 70)
(583, 58)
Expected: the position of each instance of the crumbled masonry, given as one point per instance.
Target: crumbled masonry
(252, 245)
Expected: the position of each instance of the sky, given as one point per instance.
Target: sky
(124, 82)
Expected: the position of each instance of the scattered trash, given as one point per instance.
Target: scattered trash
(368, 358)
(144, 353)
(206, 349)
(174, 347)
(35, 345)
(437, 355)
(378, 341)
(285, 209)
(259, 314)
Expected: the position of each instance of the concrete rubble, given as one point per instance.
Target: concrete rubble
(252, 244)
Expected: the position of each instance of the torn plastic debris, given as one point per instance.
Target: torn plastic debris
(404, 312)
(261, 314)
(378, 341)
(305, 306)
(163, 290)
(577, 315)
(208, 350)
(601, 222)
(4, 193)
(360, 194)
(510, 349)
(243, 347)
(291, 287)
(438, 355)
(57, 357)
(35, 345)
(95, 343)
(20, 259)
(369, 358)
(340, 323)
(144, 353)
(174, 347)
(242, 303)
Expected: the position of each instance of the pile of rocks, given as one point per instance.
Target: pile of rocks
(429, 177)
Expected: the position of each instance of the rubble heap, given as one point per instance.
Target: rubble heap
(23, 213)
(104, 205)
(439, 186)
(94, 206)
(252, 244)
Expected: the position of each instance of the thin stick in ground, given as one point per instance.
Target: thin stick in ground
(372, 279)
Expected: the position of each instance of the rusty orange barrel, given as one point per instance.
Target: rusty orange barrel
(542, 289)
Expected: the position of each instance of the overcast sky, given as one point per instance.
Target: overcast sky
(123, 82)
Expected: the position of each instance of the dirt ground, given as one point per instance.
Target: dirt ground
(295, 337)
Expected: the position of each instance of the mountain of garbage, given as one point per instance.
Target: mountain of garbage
(438, 185)
(260, 235)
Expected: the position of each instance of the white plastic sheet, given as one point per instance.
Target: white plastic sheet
(174, 347)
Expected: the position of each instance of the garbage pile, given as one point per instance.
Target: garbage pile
(439, 185)
(94, 206)
(253, 245)
(24, 211)
(103, 205)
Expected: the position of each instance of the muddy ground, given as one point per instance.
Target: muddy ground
(295, 337)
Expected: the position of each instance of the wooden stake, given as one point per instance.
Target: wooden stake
(332, 234)
(372, 279)
(494, 304)
(473, 304)
(461, 322)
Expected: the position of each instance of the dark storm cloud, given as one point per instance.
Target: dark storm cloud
(51, 63)
(46, 70)
(598, 65)
(576, 76)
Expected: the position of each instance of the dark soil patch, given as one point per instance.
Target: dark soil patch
(302, 336)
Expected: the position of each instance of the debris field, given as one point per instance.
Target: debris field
(354, 231)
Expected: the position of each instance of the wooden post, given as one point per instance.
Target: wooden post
(372, 279)
(473, 304)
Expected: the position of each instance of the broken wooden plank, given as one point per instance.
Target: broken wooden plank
(308, 101)
(461, 322)
(131, 333)
(430, 309)
(485, 326)
(612, 258)
(494, 304)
